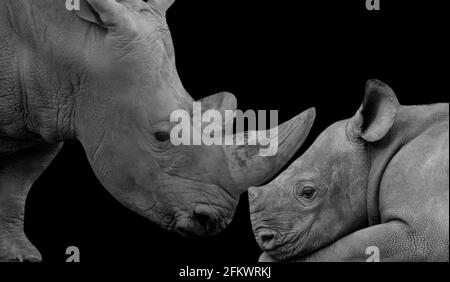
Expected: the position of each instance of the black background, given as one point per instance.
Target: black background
(281, 55)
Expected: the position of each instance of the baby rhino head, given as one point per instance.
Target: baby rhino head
(322, 195)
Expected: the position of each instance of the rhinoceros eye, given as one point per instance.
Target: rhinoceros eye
(307, 193)
(162, 136)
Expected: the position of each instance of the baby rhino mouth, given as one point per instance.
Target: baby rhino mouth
(267, 239)
(276, 245)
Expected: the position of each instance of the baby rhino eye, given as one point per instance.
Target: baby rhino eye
(308, 193)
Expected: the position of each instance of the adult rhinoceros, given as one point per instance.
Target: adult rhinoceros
(105, 75)
(372, 187)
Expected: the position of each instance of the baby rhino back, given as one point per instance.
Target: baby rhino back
(415, 188)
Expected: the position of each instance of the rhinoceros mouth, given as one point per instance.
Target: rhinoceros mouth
(285, 246)
(198, 226)
(198, 209)
(285, 252)
(283, 255)
(296, 247)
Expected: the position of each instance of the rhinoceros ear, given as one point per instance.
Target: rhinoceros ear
(377, 113)
(87, 13)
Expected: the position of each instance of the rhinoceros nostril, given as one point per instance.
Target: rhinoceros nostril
(266, 239)
(206, 219)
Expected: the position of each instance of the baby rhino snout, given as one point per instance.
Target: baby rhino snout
(266, 239)
(252, 195)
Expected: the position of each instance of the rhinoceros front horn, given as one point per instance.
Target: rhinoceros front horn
(249, 168)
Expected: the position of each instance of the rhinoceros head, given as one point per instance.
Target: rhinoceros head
(322, 195)
(129, 89)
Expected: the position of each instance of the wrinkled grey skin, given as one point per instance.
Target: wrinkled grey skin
(105, 75)
(377, 179)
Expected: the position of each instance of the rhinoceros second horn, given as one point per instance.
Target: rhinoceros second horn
(248, 167)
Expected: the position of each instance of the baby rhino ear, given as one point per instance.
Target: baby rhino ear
(377, 113)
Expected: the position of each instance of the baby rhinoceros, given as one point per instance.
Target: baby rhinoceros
(372, 187)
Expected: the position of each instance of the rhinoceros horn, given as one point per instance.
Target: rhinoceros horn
(249, 168)
(221, 102)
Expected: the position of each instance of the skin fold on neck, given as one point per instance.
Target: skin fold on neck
(42, 96)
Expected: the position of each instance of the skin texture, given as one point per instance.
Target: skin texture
(105, 75)
(377, 179)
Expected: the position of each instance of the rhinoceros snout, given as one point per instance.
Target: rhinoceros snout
(204, 221)
(266, 239)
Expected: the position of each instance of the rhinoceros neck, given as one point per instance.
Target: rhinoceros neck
(47, 97)
(410, 122)
(13, 132)
(41, 101)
